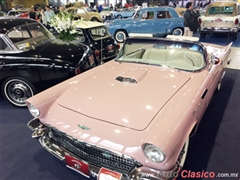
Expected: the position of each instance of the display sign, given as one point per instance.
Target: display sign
(106, 174)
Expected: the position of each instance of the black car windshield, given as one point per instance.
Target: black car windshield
(29, 36)
(177, 55)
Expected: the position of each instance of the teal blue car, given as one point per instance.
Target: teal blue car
(158, 21)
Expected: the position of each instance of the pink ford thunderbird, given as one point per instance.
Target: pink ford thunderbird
(131, 117)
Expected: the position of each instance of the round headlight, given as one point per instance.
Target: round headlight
(34, 111)
(154, 153)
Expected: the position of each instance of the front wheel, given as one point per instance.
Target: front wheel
(17, 90)
(177, 32)
(120, 36)
(119, 16)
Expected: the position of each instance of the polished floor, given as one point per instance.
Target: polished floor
(214, 148)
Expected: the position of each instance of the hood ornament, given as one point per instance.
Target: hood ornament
(83, 127)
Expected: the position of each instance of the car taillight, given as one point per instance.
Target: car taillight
(91, 60)
(236, 22)
(97, 54)
(199, 21)
(110, 48)
(77, 71)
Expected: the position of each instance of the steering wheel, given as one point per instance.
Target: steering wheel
(185, 56)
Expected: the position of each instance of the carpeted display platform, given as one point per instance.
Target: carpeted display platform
(221, 39)
(214, 148)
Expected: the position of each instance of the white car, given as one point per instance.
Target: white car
(221, 17)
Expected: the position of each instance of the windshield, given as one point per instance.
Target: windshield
(227, 10)
(176, 55)
(29, 36)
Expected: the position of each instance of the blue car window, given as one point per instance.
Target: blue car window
(163, 14)
(148, 15)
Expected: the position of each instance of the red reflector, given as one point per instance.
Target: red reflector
(199, 21)
(118, 45)
(236, 22)
(91, 59)
(97, 52)
(77, 71)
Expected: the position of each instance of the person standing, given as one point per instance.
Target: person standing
(48, 16)
(42, 17)
(111, 7)
(207, 3)
(190, 20)
(32, 13)
(100, 8)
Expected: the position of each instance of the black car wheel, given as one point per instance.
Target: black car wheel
(17, 90)
(120, 36)
(119, 16)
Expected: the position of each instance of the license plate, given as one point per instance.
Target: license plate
(77, 165)
(106, 174)
(218, 20)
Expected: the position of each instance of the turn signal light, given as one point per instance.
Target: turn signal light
(77, 71)
(97, 54)
(236, 22)
(91, 60)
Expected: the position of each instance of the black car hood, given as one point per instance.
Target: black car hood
(57, 50)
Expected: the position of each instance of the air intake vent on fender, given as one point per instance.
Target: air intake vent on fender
(126, 80)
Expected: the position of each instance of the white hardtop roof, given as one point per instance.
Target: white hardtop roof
(88, 24)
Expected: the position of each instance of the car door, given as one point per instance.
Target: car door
(147, 22)
(163, 21)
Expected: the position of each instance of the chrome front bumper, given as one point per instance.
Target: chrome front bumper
(141, 173)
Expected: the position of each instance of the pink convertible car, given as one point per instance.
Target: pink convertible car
(131, 117)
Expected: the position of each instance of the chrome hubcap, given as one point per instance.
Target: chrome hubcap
(120, 37)
(18, 92)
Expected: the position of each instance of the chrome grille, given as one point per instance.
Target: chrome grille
(95, 155)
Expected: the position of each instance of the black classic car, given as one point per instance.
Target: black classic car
(97, 36)
(32, 59)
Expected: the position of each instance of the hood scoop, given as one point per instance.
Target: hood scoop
(134, 75)
(126, 79)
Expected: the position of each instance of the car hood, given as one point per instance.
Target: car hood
(122, 21)
(53, 50)
(127, 95)
(60, 50)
